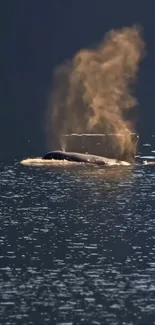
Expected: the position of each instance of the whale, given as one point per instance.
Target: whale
(82, 158)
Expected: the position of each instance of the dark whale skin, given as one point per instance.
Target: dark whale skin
(78, 157)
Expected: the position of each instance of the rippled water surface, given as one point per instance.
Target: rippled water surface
(77, 245)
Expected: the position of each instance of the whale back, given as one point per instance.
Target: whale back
(80, 157)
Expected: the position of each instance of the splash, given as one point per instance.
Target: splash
(93, 93)
(38, 161)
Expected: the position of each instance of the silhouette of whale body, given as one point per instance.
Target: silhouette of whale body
(80, 157)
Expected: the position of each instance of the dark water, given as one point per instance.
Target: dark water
(77, 245)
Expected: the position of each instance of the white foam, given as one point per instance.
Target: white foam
(145, 162)
(113, 162)
(146, 145)
(38, 161)
(147, 157)
(46, 162)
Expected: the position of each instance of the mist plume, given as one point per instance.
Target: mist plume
(93, 93)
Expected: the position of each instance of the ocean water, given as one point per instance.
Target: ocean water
(77, 244)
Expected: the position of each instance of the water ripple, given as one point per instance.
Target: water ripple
(77, 245)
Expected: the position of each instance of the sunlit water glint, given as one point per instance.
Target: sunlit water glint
(77, 245)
